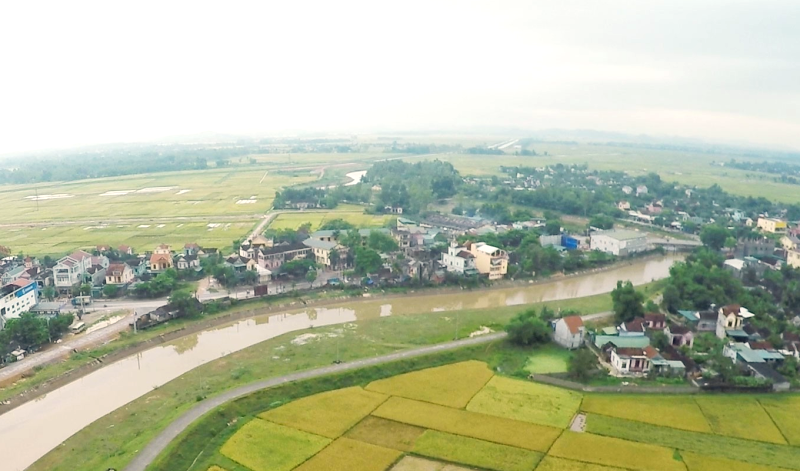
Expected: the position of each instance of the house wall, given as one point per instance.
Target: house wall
(495, 267)
(19, 301)
(793, 258)
(565, 338)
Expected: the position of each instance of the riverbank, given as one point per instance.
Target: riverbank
(78, 365)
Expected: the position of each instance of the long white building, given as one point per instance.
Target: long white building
(17, 297)
(618, 242)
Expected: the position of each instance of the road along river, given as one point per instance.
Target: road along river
(31, 430)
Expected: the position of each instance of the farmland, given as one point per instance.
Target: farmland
(352, 214)
(507, 425)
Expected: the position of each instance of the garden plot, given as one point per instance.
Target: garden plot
(767, 454)
(471, 424)
(671, 411)
(472, 452)
(742, 417)
(785, 412)
(264, 446)
(349, 455)
(695, 462)
(615, 452)
(526, 401)
(328, 414)
(449, 385)
(386, 433)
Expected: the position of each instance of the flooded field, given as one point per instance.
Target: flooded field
(33, 429)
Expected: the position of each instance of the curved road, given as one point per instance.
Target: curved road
(163, 439)
(158, 444)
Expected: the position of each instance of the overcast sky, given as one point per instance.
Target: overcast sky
(74, 72)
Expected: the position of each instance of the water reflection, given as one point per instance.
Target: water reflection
(31, 430)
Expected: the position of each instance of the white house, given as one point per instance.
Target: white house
(119, 274)
(17, 297)
(459, 260)
(569, 331)
(618, 242)
(630, 361)
(69, 270)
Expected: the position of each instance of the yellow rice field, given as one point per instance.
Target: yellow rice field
(615, 452)
(669, 411)
(737, 416)
(347, 455)
(473, 452)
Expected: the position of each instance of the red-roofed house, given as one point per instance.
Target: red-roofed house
(125, 249)
(119, 274)
(634, 328)
(569, 331)
(655, 320)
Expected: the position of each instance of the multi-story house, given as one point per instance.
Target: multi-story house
(489, 260)
(70, 270)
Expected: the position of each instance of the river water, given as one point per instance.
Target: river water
(31, 430)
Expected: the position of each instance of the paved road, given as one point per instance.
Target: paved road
(157, 445)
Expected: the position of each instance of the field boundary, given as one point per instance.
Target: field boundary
(566, 384)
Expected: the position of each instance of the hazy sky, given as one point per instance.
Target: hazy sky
(74, 72)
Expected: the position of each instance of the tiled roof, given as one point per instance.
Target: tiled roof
(159, 257)
(655, 317)
(679, 329)
(574, 323)
(636, 325)
(631, 352)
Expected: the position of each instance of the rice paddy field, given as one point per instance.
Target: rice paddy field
(352, 214)
(462, 416)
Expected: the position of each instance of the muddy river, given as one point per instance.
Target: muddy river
(33, 429)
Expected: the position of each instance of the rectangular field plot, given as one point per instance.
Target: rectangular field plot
(548, 359)
(785, 412)
(614, 452)
(526, 401)
(449, 385)
(385, 433)
(737, 416)
(469, 424)
(669, 411)
(473, 452)
(316, 219)
(329, 414)
(348, 455)
(551, 463)
(415, 463)
(695, 462)
(767, 454)
(216, 468)
(264, 446)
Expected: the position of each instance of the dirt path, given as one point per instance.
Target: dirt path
(158, 444)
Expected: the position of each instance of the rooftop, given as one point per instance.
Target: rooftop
(319, 244)
(622, 234)
(574, 323)
(622, 342)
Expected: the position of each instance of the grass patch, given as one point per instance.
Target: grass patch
(329, 414)
(450, 385)
(695, 462)
(475, 452)
(706, 444)
(669, 411)
(741, 417)
(548, 359)
(785, 412)
(386, 433)
(216, 468)
(347, 455)
(264, 446)
(470, 424)
(614, 452)
(551, 463)
(316, 219)
(526, 401)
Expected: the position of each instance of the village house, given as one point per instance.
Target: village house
(459, 260)
(771, 225)
(125, 249)
(624, 206)
(273, 257)
(323, 251)
(489, 260)
(240, 264)
(627, 190)
(679, 335)
(641, 190)
(633, 328)
(161, 259)
(629, 361)
(790, 242)
(655, 321)
(70, 270)
(187, 262)
(730, 321)
(569, 331)
(191, 248)
(12, 275)
(119, 273)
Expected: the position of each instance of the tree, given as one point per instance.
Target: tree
(659, 340)
(527, 329)
(627, 302)
(367, 261)
(250, 277)
(670, 298)
(85, 289)
(110, 291)
(553, 227)
(184, 301)
(381, 242)
(714, 236)
(582, 364)
(311, 276)
(336, 225)
(335, 258)
(28, 330)
(59, 325)
(49, 293)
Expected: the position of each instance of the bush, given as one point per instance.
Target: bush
(527, 329)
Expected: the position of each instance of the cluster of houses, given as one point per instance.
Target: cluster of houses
(627, 351)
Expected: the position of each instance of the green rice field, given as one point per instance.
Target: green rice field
(456, 417)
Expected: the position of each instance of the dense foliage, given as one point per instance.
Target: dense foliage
(627, 302)
(31, 332)
(527, 329)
